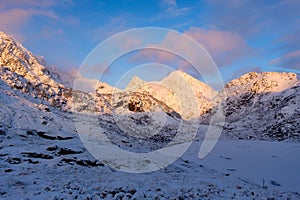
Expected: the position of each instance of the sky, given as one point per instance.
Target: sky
(239, 35)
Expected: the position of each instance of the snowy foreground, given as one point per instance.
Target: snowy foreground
(79, 176)
(56, 165)
(42, 157)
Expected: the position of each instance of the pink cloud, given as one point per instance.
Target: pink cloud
(112, 26)
(286, 56)
(243, 71)
(28, 3)
(131, 43)
(154, 55)
(72, 20)
(289, 60)
(12, 21)
(48, 32)
(225, 47)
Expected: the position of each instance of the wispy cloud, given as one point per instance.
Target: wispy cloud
(41, 4)
(225, 47)
(170, 9)
(275, 25)
(242, 71)
(51, 33)
(12, 21)
(8, 4)
(110, 27)
(15, 16)
(249, 18)
(289, 60)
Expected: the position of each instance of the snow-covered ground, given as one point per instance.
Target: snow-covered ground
(44, 162)
(42, 157)
(277, 163)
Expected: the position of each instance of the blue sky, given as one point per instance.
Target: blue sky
(240, 35)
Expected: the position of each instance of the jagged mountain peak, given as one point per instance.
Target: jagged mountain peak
(25, 72)
(185, 94)
(262, 105)
(199, 88)
(16, 60)
(261, 82)
(135, 83)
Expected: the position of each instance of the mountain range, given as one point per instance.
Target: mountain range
(257, 105)
(42, 155)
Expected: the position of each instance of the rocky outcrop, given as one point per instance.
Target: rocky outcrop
(256, 105)
(23, 71)
(183, 93)
(261, 105)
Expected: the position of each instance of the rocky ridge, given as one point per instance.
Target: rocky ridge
(261, 105)
(257, 105)
(42, 156)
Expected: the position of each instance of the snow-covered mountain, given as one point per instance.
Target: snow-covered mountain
(262, 105)
(23, 71)
(183, 93)
(42, 156)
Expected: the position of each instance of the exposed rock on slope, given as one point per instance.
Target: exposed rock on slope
(258, 105)
(262, 105)
(179, 91)
(135, 83)
(24, 72)
(21, 70)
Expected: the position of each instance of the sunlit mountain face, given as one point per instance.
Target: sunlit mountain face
(152, 125)
(45, 123)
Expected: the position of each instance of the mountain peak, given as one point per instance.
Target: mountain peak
(21, 70)
(135, 83)
(261, 82)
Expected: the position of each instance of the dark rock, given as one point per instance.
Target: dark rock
(52, 148)
(88, 163)
(43, 135)
(30, 132)
(132, 191)
(37, 155)
(85, 163)
(32, 161)
(64, 138)
(274, 183)
(49, 137)
(2, 132)
(13, 160)
(65, 151)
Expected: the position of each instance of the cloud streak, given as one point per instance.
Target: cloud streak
(12, 21)
(249, 18)
(274, 24)
(170, 9)
(225, 47)
(288, 60)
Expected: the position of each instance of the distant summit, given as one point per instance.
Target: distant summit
(186, 95)
(256, 105)
(262, 105)
(135, 83)
(261, 82)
